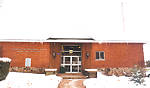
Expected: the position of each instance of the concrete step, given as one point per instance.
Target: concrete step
(72, 76)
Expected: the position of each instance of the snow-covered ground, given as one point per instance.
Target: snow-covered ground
(103, 81)
(29, 80)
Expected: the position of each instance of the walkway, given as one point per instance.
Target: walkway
(71, 83)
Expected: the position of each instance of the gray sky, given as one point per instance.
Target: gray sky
(101, 19)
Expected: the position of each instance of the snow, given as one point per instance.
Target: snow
(29, 80)
(5, 59)
(50, 69)
(73, 40)
(64, 35)
(103, 81)
(90, 69)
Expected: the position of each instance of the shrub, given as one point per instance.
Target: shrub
(85, 73)
(137, 75)
(4, 70)
(148, 63)
(106, 71)
(62, 70)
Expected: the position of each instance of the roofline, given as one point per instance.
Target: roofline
(122, 41)
(71, 41)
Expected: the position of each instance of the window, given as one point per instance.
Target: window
(28, 62)
(100, 55)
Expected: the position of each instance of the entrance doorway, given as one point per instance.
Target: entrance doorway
(71, 58)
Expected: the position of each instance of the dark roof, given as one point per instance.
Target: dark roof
(70, 38)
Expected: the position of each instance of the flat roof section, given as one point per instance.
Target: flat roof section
(70, 39)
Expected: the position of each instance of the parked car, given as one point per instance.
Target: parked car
(147, 71)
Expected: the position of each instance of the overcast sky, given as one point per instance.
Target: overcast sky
(101, 19)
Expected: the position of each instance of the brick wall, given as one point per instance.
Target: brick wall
(118, 55)
(19, 51)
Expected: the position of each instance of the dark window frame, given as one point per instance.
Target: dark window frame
(100, 55)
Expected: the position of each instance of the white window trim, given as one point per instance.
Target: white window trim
(100, 59)
(70, 64)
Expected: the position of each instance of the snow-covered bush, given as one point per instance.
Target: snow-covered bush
(138, 75)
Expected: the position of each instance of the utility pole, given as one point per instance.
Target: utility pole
(122, 14)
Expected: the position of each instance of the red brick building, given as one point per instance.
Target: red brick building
(75, 54)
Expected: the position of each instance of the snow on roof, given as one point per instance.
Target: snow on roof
(70, 40)
(78, 38)
(74, 36)
(122, 41)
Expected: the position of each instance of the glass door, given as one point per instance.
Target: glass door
(72, 64)
(71, 58)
